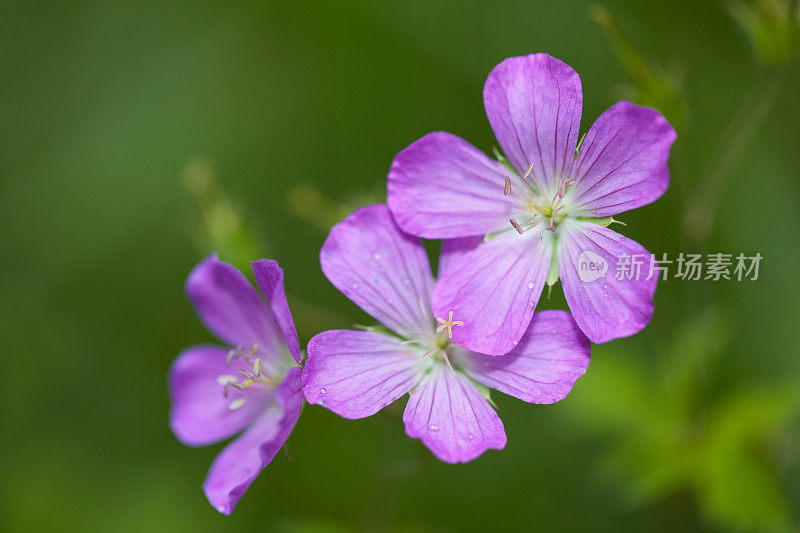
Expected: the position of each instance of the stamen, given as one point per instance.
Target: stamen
(516, 206)
(428, 352)
(507, 188)
(530, 172)
(447, 360)
(257, 367)
(524, 179)
(516, 225)
(533, 223)
(237, 404)
(252, 352)
(225, 379)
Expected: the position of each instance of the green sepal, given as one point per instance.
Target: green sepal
(603, 221)
(552, 274)
(485, 391)
(580, 143)
(383, 330)
(489, 236)
(502, 159)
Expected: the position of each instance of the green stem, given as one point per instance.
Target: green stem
(701, 210)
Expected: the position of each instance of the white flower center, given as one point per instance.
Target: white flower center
(536, 204)
(248, 377)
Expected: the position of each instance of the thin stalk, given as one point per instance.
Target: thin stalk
(701, 211)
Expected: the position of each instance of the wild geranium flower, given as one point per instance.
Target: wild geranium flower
(356, 373)
(251, 386)
(545, 215)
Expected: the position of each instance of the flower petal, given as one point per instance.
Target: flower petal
(623, 161)
(231, 308)
(383, 270)
(605, 308)
(236, 466)
(355, 374)
(269, 277)
(452, 419)
(494, 289)
(442, 187)
(199, 414)
(453, 249)
(543, 367)
(534, 106)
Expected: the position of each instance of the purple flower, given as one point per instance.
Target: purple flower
(356, 373)
(252, 386)
(545, 218)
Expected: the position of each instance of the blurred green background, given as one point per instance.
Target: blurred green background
(136, 137)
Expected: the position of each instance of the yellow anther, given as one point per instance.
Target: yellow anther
(237, 404)
(447, 325)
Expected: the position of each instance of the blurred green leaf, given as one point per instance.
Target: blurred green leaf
(224, 227)
(737, 481)
(650, 85)
(307, 203)
(772, 28)
(671, 433)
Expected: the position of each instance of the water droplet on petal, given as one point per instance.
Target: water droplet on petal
(530, 285)
(355, 285)
(470, 436)
(538, 393)
(322, 390)
(516, 341)
(433, 427)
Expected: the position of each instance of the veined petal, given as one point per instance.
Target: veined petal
(534, 106)
(452, 419)
(355, 374)
(623, 161)
(442, 187)
(199, 412)
(269, 277)
(494, 289)
(381, 269)
(542, 368)
(236, 466)
(605, 307)
(231, 308)
(453, 249)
